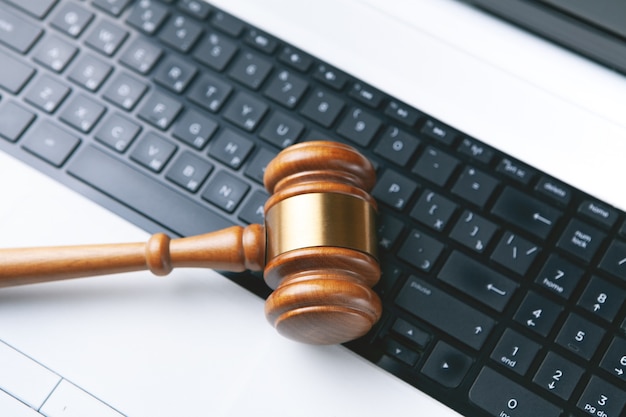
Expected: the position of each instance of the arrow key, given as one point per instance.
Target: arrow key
(447, 365)
(411, 332)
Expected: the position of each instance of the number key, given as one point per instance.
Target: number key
(558, 376)
(602, 399)
(614, 360)
(580, 336)
(602, 298)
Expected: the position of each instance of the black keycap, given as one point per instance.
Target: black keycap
(282, 130)
(559, 276)
(388, 230)
(581, 240)
(478, 151)
(72, 19)
(117, 132)
(475, 186)
(411, 333)
(141, 55)
(366, 95)
(538, 313)
(322, 107)
(554, 190)
(14, 120)
(447, 365)
(598, 213)
(245, 111)
(210, 92)
(225, 191)
(144, 193)
(196, 8)
(147, 16)
(89, 72)
(215, 51)
(614, 361)
(286, 88)
(295, 59)
(253, 211)
(175, 74)
(526, 212)
(478, 281)
(445, 312)
(500, 396)
(400, 352)
(420, 250)
(473, 231)
(397, 146)
(394, 189)
(580, 336)
(438, 131)
(433, 210)
(125, 91)
(436, 166)
(256, 167)
(558, 375)
(17, 33)
(330, 76)
(261, 41)
(160, 110)
(602, 298)
(82, 113)
(402, 113)
(359, 126)
(46, 93)
(251, 70)
(516, 171)
(515, 352)
(189, 171)
(614, 260)
(194, 128)
(14, 74)
(231, 148)
(227, 24)
(181, 33)
(106, 37)
(50, 143)
(602, 399)
(153, 151)
(515, 253)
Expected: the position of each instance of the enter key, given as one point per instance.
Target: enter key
(478, 281)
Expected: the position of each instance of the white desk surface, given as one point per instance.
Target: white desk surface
(203, 342)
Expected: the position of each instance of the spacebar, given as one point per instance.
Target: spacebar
(144, 194)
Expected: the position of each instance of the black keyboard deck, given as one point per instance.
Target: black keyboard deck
(503, 288)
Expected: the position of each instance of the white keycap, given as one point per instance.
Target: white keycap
(24, 378)
(10, 406)
(68, 400)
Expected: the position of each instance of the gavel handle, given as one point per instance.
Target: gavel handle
(233, 249)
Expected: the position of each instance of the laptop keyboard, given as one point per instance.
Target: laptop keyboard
(503, 288)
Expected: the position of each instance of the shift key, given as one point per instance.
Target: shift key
(445, 312)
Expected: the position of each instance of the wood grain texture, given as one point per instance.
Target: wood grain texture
(322, 291)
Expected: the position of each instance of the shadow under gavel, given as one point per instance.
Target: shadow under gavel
(317, 249)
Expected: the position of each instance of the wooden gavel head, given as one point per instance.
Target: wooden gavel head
(321, 243)
(317, 249)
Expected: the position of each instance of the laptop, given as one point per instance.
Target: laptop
(196, 342)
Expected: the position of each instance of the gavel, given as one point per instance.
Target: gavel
(317, 247)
